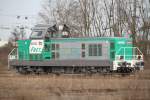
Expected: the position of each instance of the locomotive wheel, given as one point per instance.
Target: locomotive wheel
(22, 70)
(39, 70)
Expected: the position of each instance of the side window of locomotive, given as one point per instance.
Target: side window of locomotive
(83, 54)
(55, 51)
(83, 50)
(99, 48)
(53, 47)
(95, 49)
(53, 55)
(83, 46)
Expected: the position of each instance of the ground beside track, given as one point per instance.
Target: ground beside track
(14, 86)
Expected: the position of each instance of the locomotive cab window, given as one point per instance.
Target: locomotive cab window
(36, 34)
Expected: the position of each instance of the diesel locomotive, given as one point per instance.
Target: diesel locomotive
(54, 50)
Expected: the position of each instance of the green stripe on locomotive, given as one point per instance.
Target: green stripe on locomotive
(115, 44)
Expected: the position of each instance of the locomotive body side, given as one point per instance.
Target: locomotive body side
(97, 54)
(49, 51)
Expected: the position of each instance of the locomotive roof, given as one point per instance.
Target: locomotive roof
(90, 39)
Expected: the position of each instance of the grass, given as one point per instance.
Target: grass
(60, 88)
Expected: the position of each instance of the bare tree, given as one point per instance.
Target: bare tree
(14, 35)
(97, 18)
(63, 12)
(82, 16)
(46, 12)
(68, 12)
(18, 33)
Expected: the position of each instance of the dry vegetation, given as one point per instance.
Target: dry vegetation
(4, 51)
(50, 87)
(68, 87)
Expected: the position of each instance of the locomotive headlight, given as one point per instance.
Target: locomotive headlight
(142, 63)
(139, 57)
(121, 57)
(128, 64)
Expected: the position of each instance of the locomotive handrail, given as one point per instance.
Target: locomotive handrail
(133, 57)
(12, 56)
(124, 53)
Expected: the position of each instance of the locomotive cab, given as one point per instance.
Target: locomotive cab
(45, 32)
(128, 59)
(125, 57)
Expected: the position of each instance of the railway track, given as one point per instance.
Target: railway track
(68, 86)
(4, 72)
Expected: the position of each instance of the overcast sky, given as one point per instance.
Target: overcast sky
(10, 9)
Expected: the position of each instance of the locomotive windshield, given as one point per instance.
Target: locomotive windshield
(36, 34)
